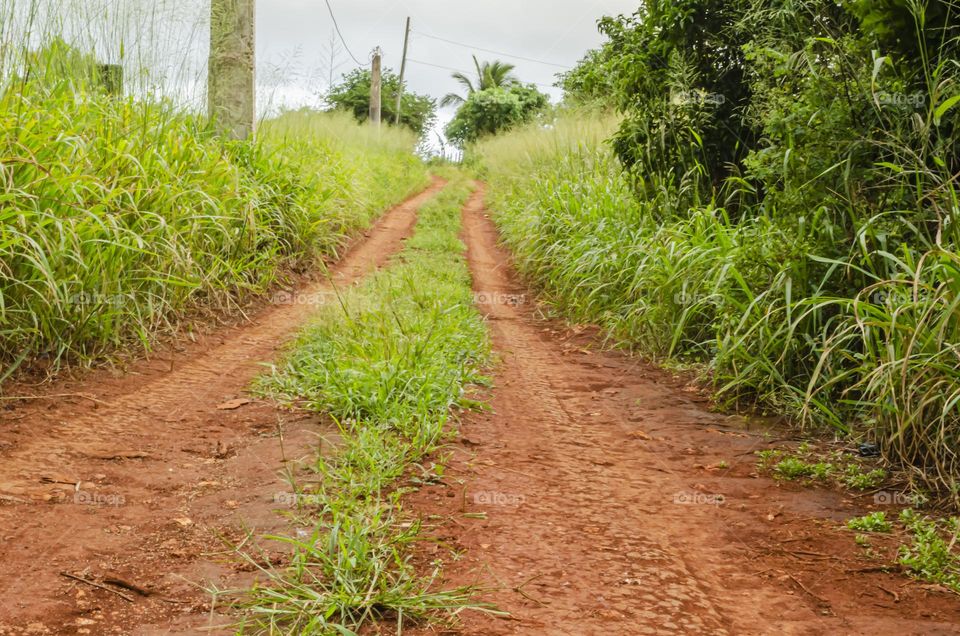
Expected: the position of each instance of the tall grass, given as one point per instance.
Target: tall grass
(749, 300)
(120, 215)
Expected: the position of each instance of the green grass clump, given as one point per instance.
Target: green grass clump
(873, 522)
(389, 363)
(793, 468)
(855, 477)
(119, 217)
(932, 554)
(806, 463)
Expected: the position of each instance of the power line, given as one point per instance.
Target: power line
(457, 70)
(337, 27)
(478, 48)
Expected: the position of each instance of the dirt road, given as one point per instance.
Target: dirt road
(599, 496)
(615, 502)
(134, 477)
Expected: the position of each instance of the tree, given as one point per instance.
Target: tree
(490, 75)
(494, 110)
(352, 94)
(907, 26)
(676, 68)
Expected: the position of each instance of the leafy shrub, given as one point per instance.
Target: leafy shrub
(493, 111)
(873, 522)
(930, 556)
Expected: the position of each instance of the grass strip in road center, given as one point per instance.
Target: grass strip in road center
(389, 361)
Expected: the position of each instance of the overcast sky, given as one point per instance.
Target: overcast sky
(294, 39)
(170, 38)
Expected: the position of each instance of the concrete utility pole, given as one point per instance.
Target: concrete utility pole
(376, 89)
(231, 80)
(403, 70)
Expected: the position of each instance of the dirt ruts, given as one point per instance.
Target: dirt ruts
(136, 477)
(601, 496)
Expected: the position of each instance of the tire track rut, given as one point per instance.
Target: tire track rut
(599, 514)
(153, 461)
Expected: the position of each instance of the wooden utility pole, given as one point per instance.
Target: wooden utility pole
(376, 88)
(403, 70)
(231, 79)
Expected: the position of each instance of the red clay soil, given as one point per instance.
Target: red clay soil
(591, 497)
(602, 496)
(133, 481)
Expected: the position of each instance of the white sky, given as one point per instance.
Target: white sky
(294, 40)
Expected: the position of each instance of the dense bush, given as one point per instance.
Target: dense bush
(494, 110)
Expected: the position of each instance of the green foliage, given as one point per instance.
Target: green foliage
(119, 218)
(390, 353)
(793, 468)
(931, 556)
(54, 64)
(895, 23)
(677, 70)
(352, 94)
(495, 110)
(873, 522)
(490, 75)
(854, 477)
(388, 361)
(808, 464)
(787, 217)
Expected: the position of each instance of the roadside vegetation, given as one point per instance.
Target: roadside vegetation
(813, 465)
(767, 193)
(777, 205)
(122, 214)
(352, 95)
(390, 362)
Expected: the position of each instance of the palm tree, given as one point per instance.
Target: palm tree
(495, 74)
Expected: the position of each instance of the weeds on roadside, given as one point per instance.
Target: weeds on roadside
(932, 554)
(806, 463)
(796, 234)
(873, 522)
